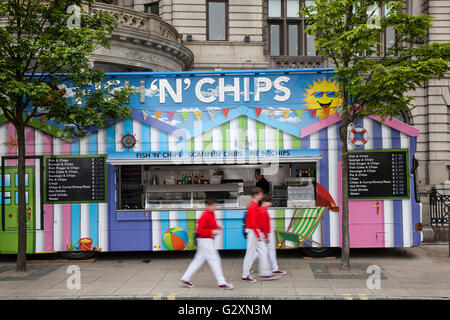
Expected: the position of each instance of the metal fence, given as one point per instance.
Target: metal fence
(439, 208)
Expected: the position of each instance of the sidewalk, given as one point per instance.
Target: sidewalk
(414, 273)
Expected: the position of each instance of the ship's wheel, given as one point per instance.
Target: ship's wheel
(128, 141)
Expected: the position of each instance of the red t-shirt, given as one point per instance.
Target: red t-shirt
(206, 224)
(264, 221)
(252, 218)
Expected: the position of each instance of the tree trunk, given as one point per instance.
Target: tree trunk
(345, 256)
(22, 227)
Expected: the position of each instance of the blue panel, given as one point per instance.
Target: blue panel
(377, 135)
(323, 146)
(110, 139)
(76, 218)
(93, 223)
(305, 143)
(93, 144)
(233, 237)
(165, 225)
(398, 224)
(395, 137)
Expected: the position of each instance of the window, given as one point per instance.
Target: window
(286, 29)
(217, 15)
(152, 8)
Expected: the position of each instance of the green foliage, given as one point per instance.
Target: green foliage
(40, 49)
(373, 78)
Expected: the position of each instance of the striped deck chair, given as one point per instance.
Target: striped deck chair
(302, 226)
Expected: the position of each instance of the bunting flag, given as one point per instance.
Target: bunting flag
(299, 113)
(286, 113)
(171, 115)
(211, 113)
(198, 115)
(185, 115)
(272, 113)
(145, 114)
(225, 112)
(158, 114)
(313, 112)
(258, 111)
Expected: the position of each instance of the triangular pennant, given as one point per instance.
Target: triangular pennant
(198, 115)
(299, 113)
(158, 114)
(185, 115)
(145, 114)
(272, 113)
(225, 112)
(171, 114)
(258, 111)
(313, 112)
(286, 113)
(212, 113)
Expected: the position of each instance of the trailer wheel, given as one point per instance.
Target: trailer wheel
(78, 255)
(318, 252)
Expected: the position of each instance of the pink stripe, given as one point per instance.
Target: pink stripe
(48, 208)
(48, 144)
(67, 225)
(12, 133)
(398, 125)
(319, 125)
(29, 148)
(65, 147)
(48, 227)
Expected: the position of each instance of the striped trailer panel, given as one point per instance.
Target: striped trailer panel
(111, 230)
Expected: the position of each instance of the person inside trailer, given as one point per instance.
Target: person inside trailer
(262, 182)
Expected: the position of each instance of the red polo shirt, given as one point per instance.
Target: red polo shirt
(206, 224)
(252, 218)
(264, 221)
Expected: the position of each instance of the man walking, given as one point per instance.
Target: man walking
(256, 248)
(206, 230)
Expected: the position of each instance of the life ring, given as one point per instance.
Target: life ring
(358, 136)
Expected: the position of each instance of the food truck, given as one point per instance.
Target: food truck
(140, 183)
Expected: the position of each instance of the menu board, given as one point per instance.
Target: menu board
(378, 174)
(75, 179)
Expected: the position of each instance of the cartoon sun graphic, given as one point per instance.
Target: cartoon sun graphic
(322, 98)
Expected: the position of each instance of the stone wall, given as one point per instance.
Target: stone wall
(244, 18)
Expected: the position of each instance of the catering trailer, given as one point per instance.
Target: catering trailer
(140, 184)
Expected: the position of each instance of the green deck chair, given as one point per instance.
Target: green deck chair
(302, 226)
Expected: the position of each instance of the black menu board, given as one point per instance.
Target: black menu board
(75, 179)
(378, 174)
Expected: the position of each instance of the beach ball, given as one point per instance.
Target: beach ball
(175, 239)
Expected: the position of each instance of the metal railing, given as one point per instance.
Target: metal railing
(439, 208)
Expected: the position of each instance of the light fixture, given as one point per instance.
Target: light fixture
(247, 38)
(189, 37)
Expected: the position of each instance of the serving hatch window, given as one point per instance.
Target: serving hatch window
(153, 187)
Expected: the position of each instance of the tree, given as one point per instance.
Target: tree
(44, 45)
(373, 78)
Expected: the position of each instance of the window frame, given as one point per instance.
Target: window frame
(284, 21)
(226, 19)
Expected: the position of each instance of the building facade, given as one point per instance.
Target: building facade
(176, 35)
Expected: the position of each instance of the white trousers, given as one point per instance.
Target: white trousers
(255, 250)
(205, 252)
(271, 251)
